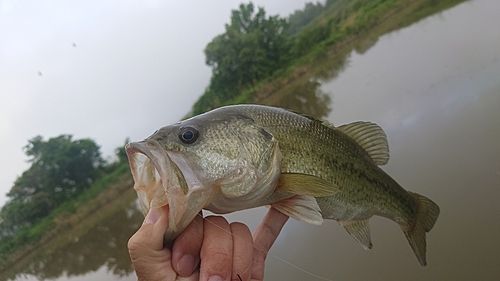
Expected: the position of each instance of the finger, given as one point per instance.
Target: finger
(186, 250)
(264, 237)
(143, 238)
(217, 250)
(159, 227)
(242, 251)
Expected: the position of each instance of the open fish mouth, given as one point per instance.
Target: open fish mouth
(166, 178)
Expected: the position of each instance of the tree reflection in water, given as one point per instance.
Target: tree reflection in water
(307, 98)
(302, 92)
(103, 245)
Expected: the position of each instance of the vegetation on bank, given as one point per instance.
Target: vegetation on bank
(257, 51)
(64, 174)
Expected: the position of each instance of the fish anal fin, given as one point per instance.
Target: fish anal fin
(301, 184)
(371, 137)
(424, 220)
(360, 231)
(302, 208)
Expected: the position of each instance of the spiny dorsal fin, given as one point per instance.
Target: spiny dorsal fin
(360, 231)
(302, 184)
(308, 116)
(371, 137)
(302, 208)
(313, 118)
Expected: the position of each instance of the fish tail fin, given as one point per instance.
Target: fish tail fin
(424, 220)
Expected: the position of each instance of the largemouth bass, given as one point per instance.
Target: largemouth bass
(244, 156)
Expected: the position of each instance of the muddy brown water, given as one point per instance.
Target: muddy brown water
(435, 88)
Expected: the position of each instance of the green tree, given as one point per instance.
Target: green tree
(120, 152)
(60, 169)
(300, 18)
(252, 47)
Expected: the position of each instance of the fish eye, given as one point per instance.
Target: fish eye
(188, 135)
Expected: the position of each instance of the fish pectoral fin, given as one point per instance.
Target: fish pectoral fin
(302, 184)
(302, 208)
(371, 137)
(360, 231)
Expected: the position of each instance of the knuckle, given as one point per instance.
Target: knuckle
(270, 229)
(241, 262)
(187, 244)
(219, 262)
(215, 253)
(259, 252)
(240, 227)
(137, 242)
(134, 244)
(217, 220)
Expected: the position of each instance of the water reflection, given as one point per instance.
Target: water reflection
(306, 97)
(102, 245)
(303, 92)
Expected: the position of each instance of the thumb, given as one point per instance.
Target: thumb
(157, 221)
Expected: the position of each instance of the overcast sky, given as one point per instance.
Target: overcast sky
(102, 69)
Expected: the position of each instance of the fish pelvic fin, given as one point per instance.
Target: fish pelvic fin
(302, 208)
(371, 137)
(360, 231)
(426, 216)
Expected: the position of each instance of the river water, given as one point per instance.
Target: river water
(435, 89)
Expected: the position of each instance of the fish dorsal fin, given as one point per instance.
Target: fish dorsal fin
(360, 231)
(302, 184)
(302, 208)
(308, 116)
(371, 138)
(313, 118)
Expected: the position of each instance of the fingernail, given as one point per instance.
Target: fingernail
(185, 265)
(152, 216)
(215, 278)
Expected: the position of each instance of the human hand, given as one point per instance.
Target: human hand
(225, 251)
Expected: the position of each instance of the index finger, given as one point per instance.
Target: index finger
(264, 237)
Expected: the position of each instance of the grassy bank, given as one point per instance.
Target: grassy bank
(109, 188)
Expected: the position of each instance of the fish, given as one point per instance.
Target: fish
(245, 156)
